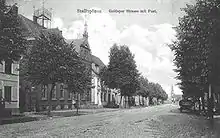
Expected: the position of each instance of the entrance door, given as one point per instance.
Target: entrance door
(109, 98)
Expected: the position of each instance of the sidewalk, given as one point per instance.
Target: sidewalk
(68, 113)
(36, 116)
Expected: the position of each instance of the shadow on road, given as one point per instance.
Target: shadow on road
(212, 125)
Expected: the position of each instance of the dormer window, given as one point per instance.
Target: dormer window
(97, 67)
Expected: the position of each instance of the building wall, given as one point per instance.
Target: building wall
(96, 90)
(11, 80)
(35, 97)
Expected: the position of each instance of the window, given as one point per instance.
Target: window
(7, 93)
(8, 67)
(61, 91)
(88, 95)
(54, 93)
(93, 81)
(44, 91)
(97, 68)
(0, 94)
(104, 97)
(69, 95)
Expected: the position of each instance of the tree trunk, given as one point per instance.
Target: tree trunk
(129, 101)
(72, 101)
(150, 101)
(49, 99)
(158, 101)
(120, 101)
(37, 102)
(139, 100)
(200, 104)
(125, 101)
(210, 102)
(78, 103)
(203, 102)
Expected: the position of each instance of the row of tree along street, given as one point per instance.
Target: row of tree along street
(197, 53)
(121, 73)
(51, 60)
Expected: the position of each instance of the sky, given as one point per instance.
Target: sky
(146, 34)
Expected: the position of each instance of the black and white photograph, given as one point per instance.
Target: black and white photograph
(109, 69)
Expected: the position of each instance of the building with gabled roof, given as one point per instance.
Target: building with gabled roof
(32, 97)
(95, 95)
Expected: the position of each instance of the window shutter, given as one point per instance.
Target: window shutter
(7, 93)
(1, 68)
(12, 68)
(14, 94)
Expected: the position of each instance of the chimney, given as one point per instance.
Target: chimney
(35, 19)
(14, 9)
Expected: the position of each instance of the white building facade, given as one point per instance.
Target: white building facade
(9, 86)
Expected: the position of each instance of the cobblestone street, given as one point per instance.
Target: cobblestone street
(163, 121)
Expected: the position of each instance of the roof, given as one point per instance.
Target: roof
(29, 28)
(32, 29)
(77, 43)
(98, 61)
(51, 30)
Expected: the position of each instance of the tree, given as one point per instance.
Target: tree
(196, 48)
(143, 87)
(78, 80)
(12, 43)
(156, 91)
(121, 72)
(52, 61)
(144, 90)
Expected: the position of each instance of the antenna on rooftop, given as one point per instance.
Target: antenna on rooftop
(43, 16)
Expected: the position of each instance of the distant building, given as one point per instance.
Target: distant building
(175, 97)
(172, 94)
(141, 101)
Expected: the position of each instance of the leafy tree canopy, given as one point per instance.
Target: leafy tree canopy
(121, 72)
(12, 43)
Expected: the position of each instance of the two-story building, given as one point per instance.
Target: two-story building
(36, 97)
(9, 81)
(94, 95)
(9, 86)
